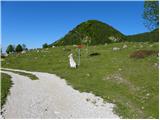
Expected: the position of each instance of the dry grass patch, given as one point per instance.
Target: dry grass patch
(143, 53)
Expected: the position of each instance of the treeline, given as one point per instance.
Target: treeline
(19, 48)
(45, 45)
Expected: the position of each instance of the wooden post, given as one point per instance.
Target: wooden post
(79, 56)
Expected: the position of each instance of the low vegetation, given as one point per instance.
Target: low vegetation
(31, 76)
(131, 84)
(6, 83)
(143, 53)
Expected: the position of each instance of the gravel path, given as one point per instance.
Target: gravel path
(51, 97)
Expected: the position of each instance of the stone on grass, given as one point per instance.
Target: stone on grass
(115, 49)
(23, 52)
(125, 46)
(151, 46)
(147, 94)
(120, 69)
(88, 75)
(74, 45)
(156, 64)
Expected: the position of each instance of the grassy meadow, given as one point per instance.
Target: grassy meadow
(130, 83)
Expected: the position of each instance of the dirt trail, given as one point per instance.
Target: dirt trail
(51, 97)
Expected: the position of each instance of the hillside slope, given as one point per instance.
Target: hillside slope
(130, 83)
(96, 31)
(145, 37)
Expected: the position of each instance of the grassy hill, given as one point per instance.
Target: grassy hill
(101, 33)
(98, 32)
(130, 83)
(152, 36)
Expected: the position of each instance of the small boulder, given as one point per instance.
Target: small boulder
(151, 46)
(125, 46)
(74, 45)
(23, 52)
(115, 48)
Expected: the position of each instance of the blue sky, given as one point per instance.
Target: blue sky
(36, 23)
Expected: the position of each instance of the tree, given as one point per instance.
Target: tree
(24, 47)
(19, 48)
(45, 45)
(10, 49)
(151, 14)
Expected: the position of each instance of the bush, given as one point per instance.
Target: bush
(143, 53)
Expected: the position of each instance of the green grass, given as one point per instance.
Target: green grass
(135, 93)
(6, 83)
(31, 76)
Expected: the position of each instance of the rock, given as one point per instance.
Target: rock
(6, 55)
(94, 101)
(114, 39)
(23, 52)
(147, 94)
(105, 44)
(74, 45)
(151, 46)
(115, 48)
(125, 46)
(88, 75)
(114, 100)
(87, 99)
(53, 46)
(156, 64)
(120, 69)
